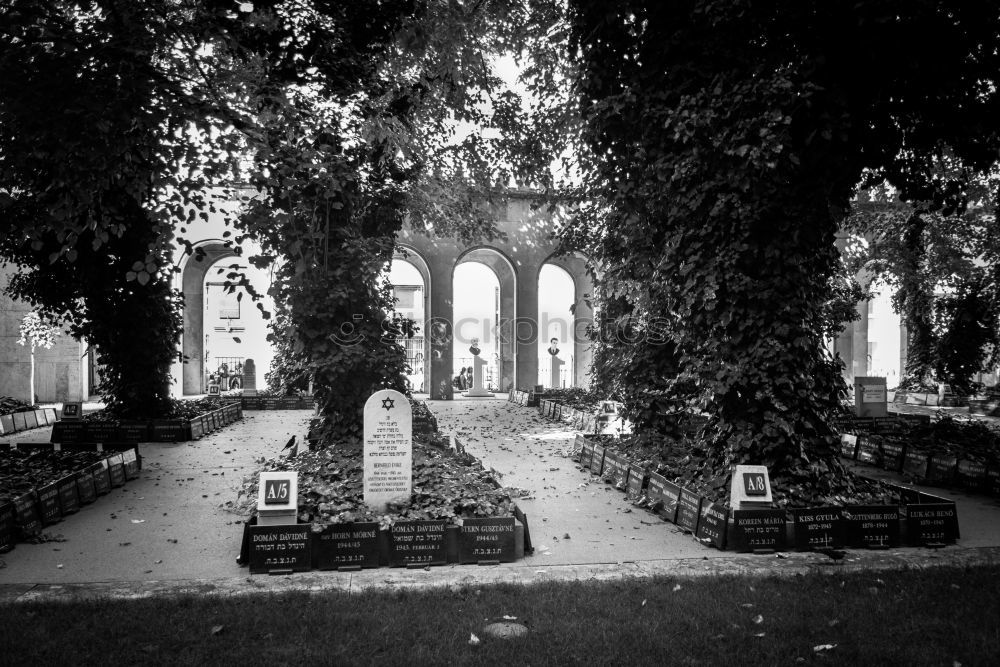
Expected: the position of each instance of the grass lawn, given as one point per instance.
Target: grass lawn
(938, 616)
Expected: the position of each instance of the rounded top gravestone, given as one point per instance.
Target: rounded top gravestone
(388, 466)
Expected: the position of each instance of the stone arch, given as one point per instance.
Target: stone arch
(193, 287)
(502, 266)
(576, 264)
(413, 257)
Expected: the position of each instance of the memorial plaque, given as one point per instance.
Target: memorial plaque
(133, 431)
(915, 465)
(85, 488)
(615, 470)
(818, 528)
(72, 410)
(277, 491)
(102, 432)
(712, 524)
(197, 429)
(7, 423)
(942, 469)
(993, 480)
(586, 453)
(213, 421)
(486, 539)
(597, 459)
(872, 526)
(169, 430)
(69, 497)
(413, 543)
(849, 445)
(932, 524)
(20, 423)
(388, 449)
(102, 481)
(758, 530)
(29, 519)
(214, 389)
(131, 462)
(635, 486)
(688, 510)
(972, 475)
(116, 470)
(270, 403)
(48, 504)
(893, 454)
(68, 432)
(41, 418)
(664, 496)
(280, 549)
(868, 450)
(346, 546)
(50, 415)
(30, 421)
(8, 527)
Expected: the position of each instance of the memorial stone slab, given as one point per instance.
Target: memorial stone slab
(41, 418)
(758, 530)
(615, 469)
(30, 420)
(130, 460)
(29, 519)
(868, 451)
(69, 497)
(849, 445)
(663, 495)
(972, 475)
(942, 469)
(116, 470)
(893, 454)
(712, 524)
(102, 481)
(388, 449)
(7, 423)
(993, 480)
(915, 464)
(102, 432)
(932, 524)
(872, 526)
(688, 510)
(586, 454)
(597, 459)
(636, 485)
(818, 528)
(169, 431)
(346, 546)
(20, 423)
(8, 527)
(750, 488)
(488, 539)
(133, 431)
(85, 487)
(417, 543)
(280, 549)
(48, 504)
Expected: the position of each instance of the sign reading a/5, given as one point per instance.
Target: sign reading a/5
(276, 491)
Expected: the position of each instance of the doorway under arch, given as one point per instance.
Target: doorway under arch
(409, 287)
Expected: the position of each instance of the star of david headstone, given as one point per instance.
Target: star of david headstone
(388, 404)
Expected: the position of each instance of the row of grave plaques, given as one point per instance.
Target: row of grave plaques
(921, 519)
(28, 513)
(518, 397)
(29, 419)
(603, 420)
(271, 402)
(157, 430)
(351, 546)
(945, 470)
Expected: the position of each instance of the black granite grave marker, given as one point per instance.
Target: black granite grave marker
(8, 527)
(993, 480)
(849, 445)
(169, 430)
(635, 486)
(664, 496)
(102, 480)
(893, 454)
(586, 453)
(102, 432)
(197, 428)
(346, 546)
(69, 432)
(85, 487)
(915, 464)
(942, 469)
(280, 549)
(818, 528)
(972, 475)
(931, 523)
(712, 524)
(69, 497)
(615, 469)
(868, 450)
(872, 526)
(420, 543)
(29, 519)
(597, 459)
(133, 431)
(48, 504)
(116, 470)
(758, 530)
(688, 510)
(130, 459)
(488, 539)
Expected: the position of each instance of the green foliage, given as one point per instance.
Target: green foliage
(726, 140)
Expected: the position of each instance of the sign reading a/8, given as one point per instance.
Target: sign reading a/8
(276, 491)
(754, 484)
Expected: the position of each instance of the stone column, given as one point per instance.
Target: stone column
(439, 332)
(526, 325)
